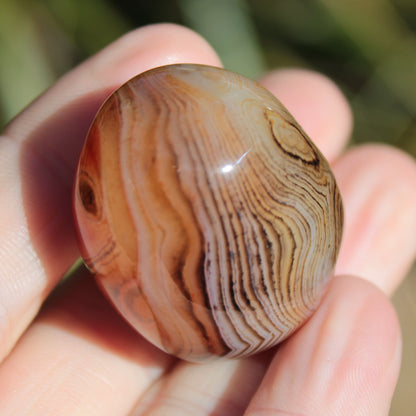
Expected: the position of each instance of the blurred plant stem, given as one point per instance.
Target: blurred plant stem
(228, 27)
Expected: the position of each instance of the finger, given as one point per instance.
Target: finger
(343, 361)
(317, 104)
(221, 387)
(78, 358)
(378, 186)
(38, 157)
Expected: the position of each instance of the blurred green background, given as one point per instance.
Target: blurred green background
(367, 46)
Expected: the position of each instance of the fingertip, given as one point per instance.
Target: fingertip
(369, 338)
(317, 104)
(152, 46)
(378, 187)
(344, 360)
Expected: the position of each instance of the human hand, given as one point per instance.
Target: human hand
(78, 357)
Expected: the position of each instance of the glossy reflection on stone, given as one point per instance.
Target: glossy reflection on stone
(211, 221)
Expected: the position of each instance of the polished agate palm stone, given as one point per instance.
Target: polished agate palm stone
(208, 217)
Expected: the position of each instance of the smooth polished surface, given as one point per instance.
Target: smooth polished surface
(211, 221)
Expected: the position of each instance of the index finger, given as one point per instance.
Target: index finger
(38, 155)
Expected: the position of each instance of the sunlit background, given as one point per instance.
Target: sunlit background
(367, 46)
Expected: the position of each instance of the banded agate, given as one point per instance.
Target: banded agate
(208, 217)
